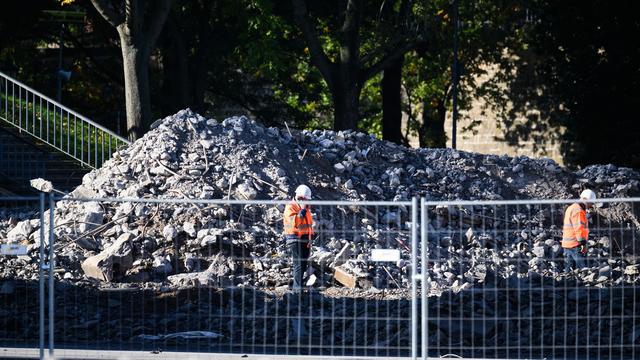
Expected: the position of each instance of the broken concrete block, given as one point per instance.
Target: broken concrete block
(345, 278)
(92, 218)
(189, 228)
(245, 191)
(342, 256)
(113, 262)
(41, 185)
(320, 256)
(162, 265)
(312, 280)
(20, 232)
(202, 278)
(169, 232)
(208, 240)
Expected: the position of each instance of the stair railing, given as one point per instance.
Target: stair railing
(56, 125)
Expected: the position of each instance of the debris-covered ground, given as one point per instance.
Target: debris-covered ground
(186, 156)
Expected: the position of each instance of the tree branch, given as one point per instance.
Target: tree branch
(99, 69)
(318, 57)
(108, 13)
(157, 19)
(132, 18)
(389, 58)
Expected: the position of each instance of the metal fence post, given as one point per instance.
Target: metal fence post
(51, 267)
(414, 278)
(41, 276)
(424, 271)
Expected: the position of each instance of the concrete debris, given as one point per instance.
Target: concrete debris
(93, 215)
(186, 156)
(41, 184)
(342, 256)
(20, 232)
(344, 277)
(113, 262)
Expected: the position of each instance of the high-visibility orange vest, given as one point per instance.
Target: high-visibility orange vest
(575, 228)
(294, 224)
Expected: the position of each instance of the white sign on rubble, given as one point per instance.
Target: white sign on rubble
(390, 255)
(13, 249)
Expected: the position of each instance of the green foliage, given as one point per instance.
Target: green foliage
(371, 108)
(486, 29)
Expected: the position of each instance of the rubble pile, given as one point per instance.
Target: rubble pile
(186, 156)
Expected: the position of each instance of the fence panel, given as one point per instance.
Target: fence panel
(497, 286)
(22, 310)
(215, 276)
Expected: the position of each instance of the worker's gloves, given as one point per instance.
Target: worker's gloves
(583, 249)
(302, 213)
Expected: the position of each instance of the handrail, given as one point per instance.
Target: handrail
(53, 123)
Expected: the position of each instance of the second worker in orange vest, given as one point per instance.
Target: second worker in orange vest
(298, 231)
(575, 231)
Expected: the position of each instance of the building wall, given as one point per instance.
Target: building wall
(488, 136)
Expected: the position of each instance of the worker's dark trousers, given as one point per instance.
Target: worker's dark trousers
(573, 257)
(300, 253)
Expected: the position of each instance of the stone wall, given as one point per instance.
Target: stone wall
(488, 135)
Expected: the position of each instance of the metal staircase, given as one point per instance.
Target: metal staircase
(40, 137)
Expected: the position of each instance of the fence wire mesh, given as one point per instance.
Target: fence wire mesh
(468, 279)
(498, 283)
(212, 276)
(21, 288)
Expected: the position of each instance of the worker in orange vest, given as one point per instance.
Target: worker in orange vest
(575, 231)
(298, 230)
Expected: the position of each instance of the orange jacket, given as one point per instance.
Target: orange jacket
(296, 225)
(575, 229)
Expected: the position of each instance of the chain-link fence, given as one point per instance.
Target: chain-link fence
(470, 279)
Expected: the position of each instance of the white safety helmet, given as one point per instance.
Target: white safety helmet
(589, 196)
(303, 191)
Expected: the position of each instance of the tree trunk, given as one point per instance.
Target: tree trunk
(346, 100)
(431, 133)
(392, 102)
(136, 84)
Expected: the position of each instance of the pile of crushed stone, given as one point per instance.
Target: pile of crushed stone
(186, 156)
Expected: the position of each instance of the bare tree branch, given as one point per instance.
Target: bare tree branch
(318, 57)
(105, 9)
(132, 18)
(99, 68)
(393, 55)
